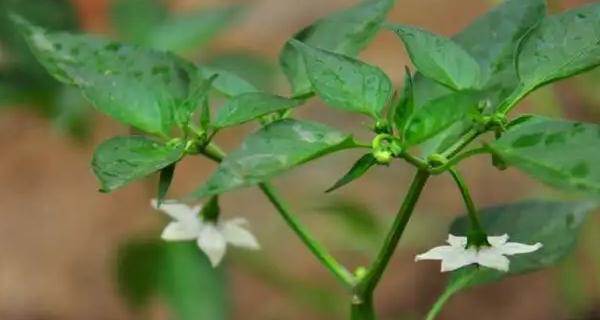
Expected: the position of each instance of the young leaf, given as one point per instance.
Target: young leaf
(555, 224)
(346, 83)
(136, 86)
(346, 32)
(199, 90)
(273, 150)
(164, 182)
(403, 110)
(121, 160)
(561, 46)
(439, 58)
(358, 169)
(226, 82)
(147, 13)
(250, 106)
(205, 115)
(439, 114)
(560, 153)
(185, 31)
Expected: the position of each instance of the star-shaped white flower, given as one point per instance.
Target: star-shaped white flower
(456, 255)
(212, 238)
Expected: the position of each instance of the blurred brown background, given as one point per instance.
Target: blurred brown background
(58, 235)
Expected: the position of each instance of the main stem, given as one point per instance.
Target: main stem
(362, 303)
(213, 152)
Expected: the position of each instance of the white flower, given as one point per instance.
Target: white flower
(212, 238)
(457, 255)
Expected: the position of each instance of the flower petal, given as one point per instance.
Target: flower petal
(457, 241)
(211, 241)
(238, 236)
(498, 240)
(511, 248)
(177, 210)
(178, 231)
(437, 253)
(458, 260)
(491, 257)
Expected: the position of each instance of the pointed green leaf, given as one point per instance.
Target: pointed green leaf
(561, 46)
(439, 114)
(136, 86)
(273, 150)
(554, 224)
(358, 169)
(254, 68)
(250, 106)
(164, 182)
(493, 38)
(345, 32)
(226, 82)
(403, 110)
(134, 19)
(439, 58)
(346, 83)
(561, 153)
(121, 160)
(185, 31)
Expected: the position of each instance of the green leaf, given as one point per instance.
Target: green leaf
(344, 82)
(134, 19)
(561, 46)
(71, 113)
(185, 31)
(555, 224)
(273, 150)
(192, 288)
(439, 58)
(226, 82)
(256, 69)
(346, 32)
(560, 153)
(164, 182)
(121, 160)
(403, 110)
(358, 169)
(440, 114)
(250, 106)
(492, 39)
(137, 86)
(178, 273)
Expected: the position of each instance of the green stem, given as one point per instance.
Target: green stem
(213, 152)
(362, 306)
(476, 227)
(313, 245)
(458, 158)
(448, 293)
(461, 143)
